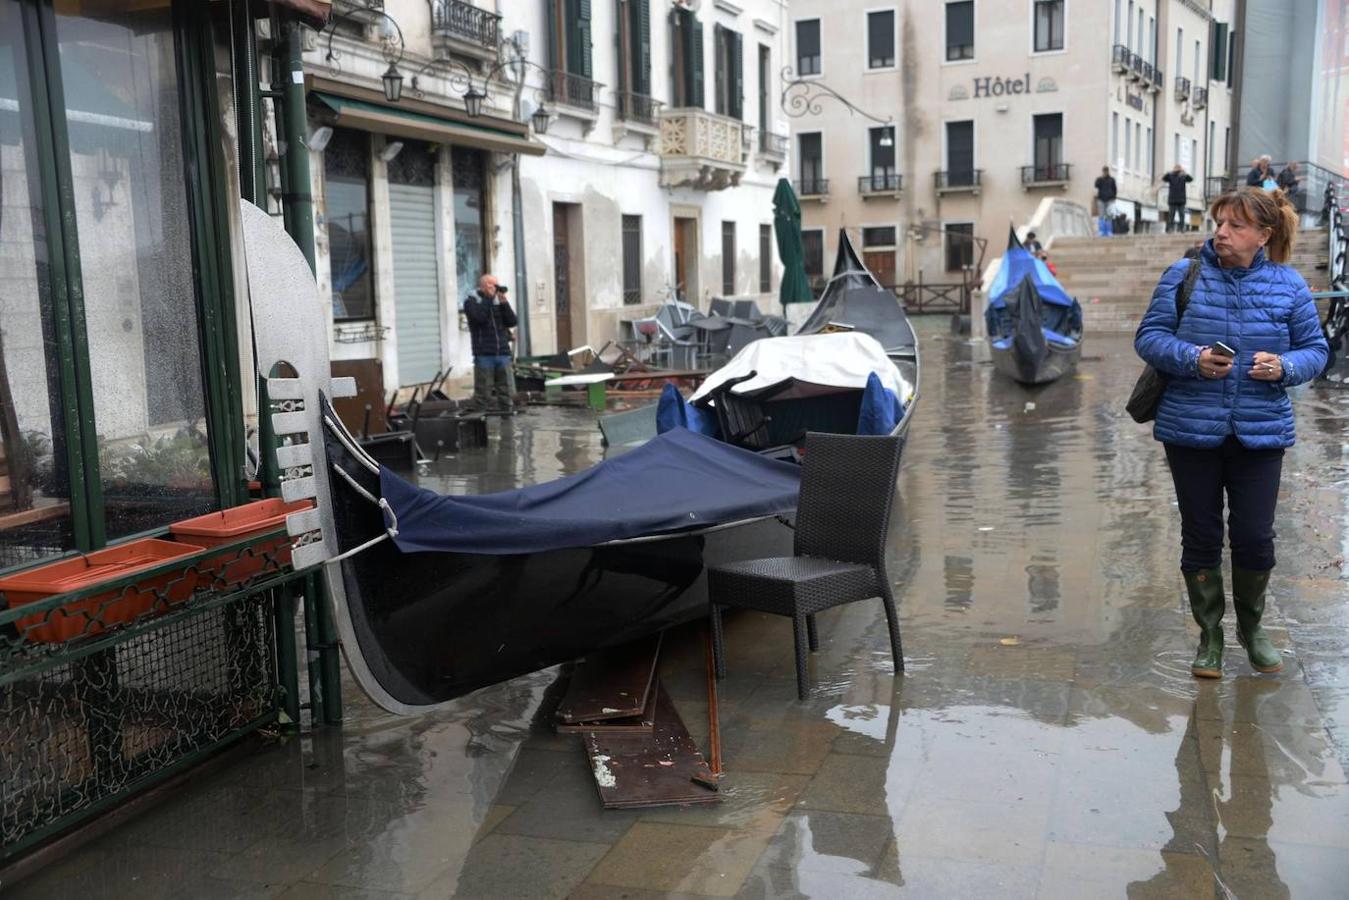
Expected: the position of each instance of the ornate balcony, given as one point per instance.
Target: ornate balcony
(1045, 175)
(1182, 88)
(1158, 80)
(1199, 99)
(699, 149)
(572, 90)
(1135, 67)
(774, 147)
(1119, 58)
(883, 184)
(954, 181)
(461, 27)
(639, 108)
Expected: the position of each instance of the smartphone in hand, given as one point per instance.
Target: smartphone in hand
(1221, 349)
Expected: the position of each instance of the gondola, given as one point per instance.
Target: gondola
(435, 597)
(1034, 326)
(852, 368)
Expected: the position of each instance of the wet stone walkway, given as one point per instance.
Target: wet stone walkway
(1046, 741)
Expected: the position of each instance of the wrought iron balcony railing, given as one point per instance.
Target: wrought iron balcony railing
(880, 183)
(771, 144)
(959, 179)
(1147, 75)
(1199, 99)
(1119, 57)
(571, 90)
(454, 18)
(1135, 67)
(812, 187)
(1158, 79)
(635, 107)
(1045, 173)
(1182, 88)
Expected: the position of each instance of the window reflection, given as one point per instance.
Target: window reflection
(34, 483)
(119, 79)
(467, 167)
(346, 190)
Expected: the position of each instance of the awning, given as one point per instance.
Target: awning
(408, 123)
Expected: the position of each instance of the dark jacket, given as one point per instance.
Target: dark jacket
(1288, 181)
(1105, 188)
(1175, 193)
(1256, 176)
(489, 325)
(1265, 307)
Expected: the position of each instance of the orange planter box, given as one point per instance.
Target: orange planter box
(90, 615)
(230, 525)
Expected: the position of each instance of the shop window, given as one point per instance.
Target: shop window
(346, 191)
(35, 520)
(134, 222)
(468, 173)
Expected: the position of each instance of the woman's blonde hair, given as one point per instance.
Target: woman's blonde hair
(1263, 209)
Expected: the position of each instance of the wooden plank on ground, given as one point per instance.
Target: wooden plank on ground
(611, 684)
(641, 724)
(650, 770)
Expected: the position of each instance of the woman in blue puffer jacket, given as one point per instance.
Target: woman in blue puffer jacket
(1226, 421)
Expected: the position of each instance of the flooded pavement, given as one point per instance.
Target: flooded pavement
(1047, 739)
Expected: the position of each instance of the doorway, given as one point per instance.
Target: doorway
(686, 259)
(562, 277)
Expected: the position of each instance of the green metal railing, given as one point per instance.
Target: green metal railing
(109, 689)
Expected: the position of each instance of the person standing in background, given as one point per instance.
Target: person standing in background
(1176, 181)
(1106, 192)
(490, 320)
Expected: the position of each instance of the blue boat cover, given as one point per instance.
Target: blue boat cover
(673, 411)
(881, 409)
(676, 481)
(1017, 264)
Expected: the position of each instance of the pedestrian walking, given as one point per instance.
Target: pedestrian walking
(1176, 180)
(1259, 171)
(490, 320)
(1106, 192)
(1249, 332)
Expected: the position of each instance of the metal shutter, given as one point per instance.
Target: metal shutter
(412, 213)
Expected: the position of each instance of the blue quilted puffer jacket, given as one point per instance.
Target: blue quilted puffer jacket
(1265, 307)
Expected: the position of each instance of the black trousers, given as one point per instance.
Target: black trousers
(1250, 478)
(1175, 217)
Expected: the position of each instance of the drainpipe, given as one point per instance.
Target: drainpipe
(298, 201)
(518, 223)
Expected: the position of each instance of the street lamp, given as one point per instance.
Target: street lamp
(540, 120)
(887, 138)
(473, 99)
(393, 84)
(802, 96)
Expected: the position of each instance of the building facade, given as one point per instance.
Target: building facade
(651, 176)
(973, 112)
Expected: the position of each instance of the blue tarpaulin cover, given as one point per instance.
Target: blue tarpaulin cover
(881, 409)
(1017, 264)
(673, 411)
(676, 481)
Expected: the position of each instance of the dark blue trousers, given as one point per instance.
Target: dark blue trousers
(1250, 479)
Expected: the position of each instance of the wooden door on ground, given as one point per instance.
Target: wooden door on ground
(561, 277)
(882, 265)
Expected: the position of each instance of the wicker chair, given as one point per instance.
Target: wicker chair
(847, 491)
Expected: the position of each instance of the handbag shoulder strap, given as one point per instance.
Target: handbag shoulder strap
(1186, 288)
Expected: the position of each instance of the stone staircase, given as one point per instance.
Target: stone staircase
(1113, 278)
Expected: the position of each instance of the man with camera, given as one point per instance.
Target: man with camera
(490, 320)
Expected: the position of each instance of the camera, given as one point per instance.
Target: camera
(501, 289)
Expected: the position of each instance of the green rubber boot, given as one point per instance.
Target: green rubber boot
(1207, 603)
(1248, 596)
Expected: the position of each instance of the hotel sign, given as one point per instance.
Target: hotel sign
(997, 86)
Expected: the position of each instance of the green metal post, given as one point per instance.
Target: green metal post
(326, 682)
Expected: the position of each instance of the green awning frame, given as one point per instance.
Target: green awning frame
(400, 122)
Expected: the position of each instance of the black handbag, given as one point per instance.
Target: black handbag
(1147, 392)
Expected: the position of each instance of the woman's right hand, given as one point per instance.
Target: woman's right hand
(1211, 365)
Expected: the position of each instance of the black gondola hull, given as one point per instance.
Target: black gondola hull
(1051, 366)
(425, 628)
